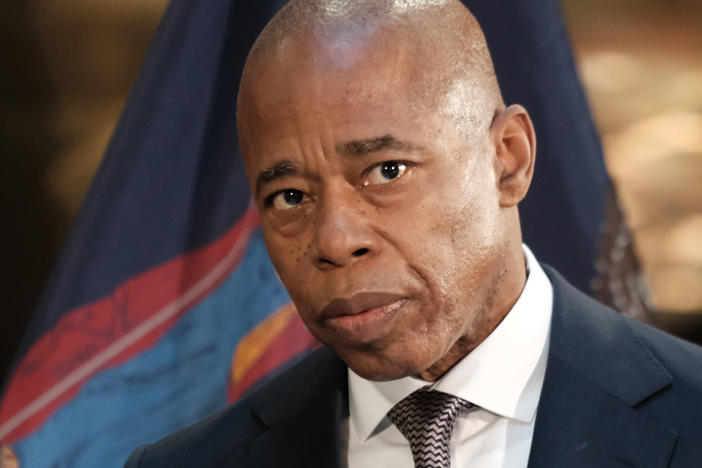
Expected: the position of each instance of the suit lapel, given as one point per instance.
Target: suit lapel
(312, 436)
(597, 374)
(305, 416)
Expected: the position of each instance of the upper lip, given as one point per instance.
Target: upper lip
(359, 303)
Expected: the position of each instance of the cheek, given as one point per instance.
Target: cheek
(458, 243)
(471, 219)
(290, 257)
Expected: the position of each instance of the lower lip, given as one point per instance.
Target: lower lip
(369, 325)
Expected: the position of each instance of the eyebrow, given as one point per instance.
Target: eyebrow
(371, 145)
(280, 169)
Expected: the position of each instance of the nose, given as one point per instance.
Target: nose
(342, 230)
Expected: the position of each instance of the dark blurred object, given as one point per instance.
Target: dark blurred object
(686, 325)
(66, 70)
(33, 226)
(619, 281)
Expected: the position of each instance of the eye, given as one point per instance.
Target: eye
(385, 172)
(285, 199)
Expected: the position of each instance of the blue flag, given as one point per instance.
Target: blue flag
(164, 306)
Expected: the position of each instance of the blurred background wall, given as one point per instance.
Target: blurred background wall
(67, 68)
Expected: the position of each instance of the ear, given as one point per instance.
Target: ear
(515, 149)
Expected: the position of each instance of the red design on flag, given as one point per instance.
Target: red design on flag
(109, 331)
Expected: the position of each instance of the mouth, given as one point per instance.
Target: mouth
(365, 317)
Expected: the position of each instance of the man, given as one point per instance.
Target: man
(387, 172)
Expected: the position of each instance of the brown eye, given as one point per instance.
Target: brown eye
(385, 172)
(286, 199)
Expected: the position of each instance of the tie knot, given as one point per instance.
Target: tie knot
(426, 419)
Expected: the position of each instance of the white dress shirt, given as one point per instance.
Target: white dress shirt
(502, 376)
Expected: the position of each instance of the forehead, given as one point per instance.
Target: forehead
(376, 87)
(358, 70)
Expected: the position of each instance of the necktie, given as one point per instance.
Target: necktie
(426, 419)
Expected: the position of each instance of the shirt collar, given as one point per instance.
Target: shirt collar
(503, 374)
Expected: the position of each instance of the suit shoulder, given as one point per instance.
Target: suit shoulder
(682, 359)
(621, 354)
(206, 443)
(679, 406)
(224, 433)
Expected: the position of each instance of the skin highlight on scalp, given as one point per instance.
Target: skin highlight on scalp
(443, 35)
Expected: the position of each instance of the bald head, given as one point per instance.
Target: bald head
(436, 48)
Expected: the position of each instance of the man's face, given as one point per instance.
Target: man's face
(380, 216)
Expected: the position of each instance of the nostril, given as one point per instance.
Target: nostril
(360, 252)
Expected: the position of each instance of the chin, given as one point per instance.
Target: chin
(377, 375)
(378, 367)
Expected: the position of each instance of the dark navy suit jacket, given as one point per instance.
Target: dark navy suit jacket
(617, 393)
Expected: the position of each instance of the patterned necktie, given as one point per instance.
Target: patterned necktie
(426, 419)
